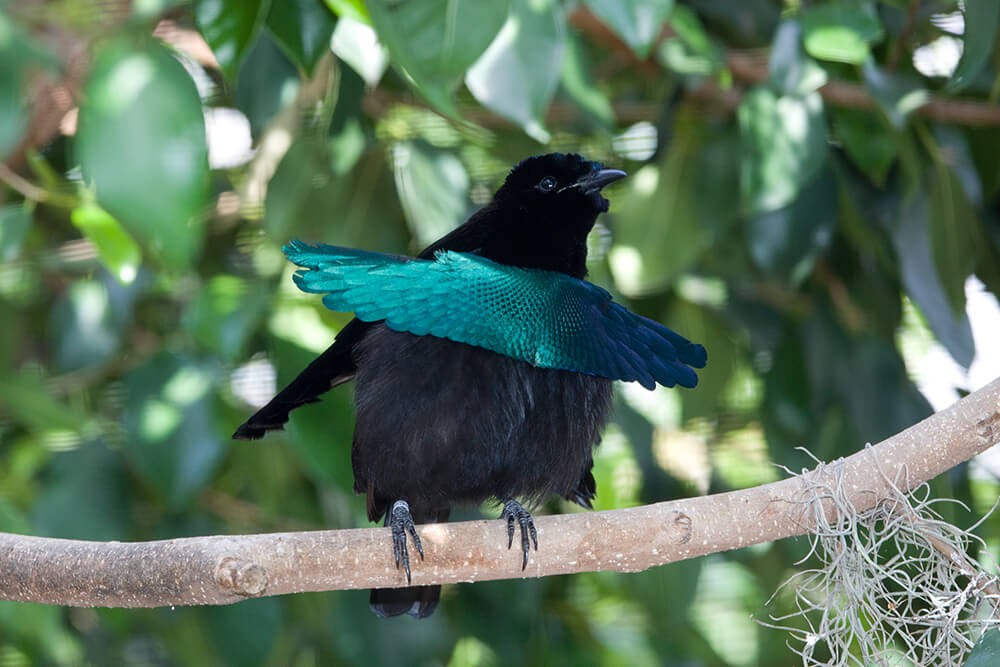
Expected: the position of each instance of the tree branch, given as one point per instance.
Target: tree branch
(226, 569)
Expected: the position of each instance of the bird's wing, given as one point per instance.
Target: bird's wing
(545, 318)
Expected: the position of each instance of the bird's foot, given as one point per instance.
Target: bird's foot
(401, 522)
(514, 512)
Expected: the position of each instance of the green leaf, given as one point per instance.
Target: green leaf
(230, 27)
(841, 31)
(354, 10)
(787, 240)
(19, 55)
(223, 315)
(982, 21)
(898, 95)
(784, 146)
(987, 652)
(911, 237)
(637, 22)
(861, 374)
(312, 428)
(28, 401)
(13, 109)
(578, 84)
(954, 235)
(274, 84)
(672, 212)
(116, 248)
(518, 74)
(433, 189)
(303, 29)
(83, 329)
(169, 419)
(692, 50)
(245, 633)
(304, 190)
(433, 42)
(300, 187)
(868, 141)
(92, 471)
(15, 222)
(142, 97)
(792, 72)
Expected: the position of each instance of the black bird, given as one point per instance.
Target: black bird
(483, 372)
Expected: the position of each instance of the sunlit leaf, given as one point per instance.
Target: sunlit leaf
(169, 419)
(434, 41)
(787, 240)
(841, 31)
(671, 212)
(83, 327)
(519, 73)
(357, 45)
(142, 97)
(350, 9)
(784, 146)
(637, 22)
(116, 248)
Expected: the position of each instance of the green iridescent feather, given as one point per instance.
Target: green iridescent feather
(545, 318)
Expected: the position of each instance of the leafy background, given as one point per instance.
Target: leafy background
(814, 195)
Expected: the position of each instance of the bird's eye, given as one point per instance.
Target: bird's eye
(547, 184)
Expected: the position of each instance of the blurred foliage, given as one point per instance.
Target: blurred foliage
(146, 306)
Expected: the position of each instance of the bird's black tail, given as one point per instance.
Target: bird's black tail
(326, 371)
(417, 601)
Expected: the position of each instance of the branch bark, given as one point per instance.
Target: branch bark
(226, 569)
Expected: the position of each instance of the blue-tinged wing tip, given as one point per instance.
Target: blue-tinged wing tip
(695, 355)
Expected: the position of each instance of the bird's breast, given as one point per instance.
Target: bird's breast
(454, 423)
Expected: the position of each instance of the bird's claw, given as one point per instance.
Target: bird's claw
(401, 522)
(513, 511)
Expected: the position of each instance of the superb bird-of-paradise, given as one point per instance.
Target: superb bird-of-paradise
(483, 367)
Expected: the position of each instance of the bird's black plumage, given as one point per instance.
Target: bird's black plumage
(441, 423)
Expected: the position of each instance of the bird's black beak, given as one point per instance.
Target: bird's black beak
(596, 180)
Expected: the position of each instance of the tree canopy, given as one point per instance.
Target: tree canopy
(813, 194)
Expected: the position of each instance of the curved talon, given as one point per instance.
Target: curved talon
(401, 522)
(514, 511)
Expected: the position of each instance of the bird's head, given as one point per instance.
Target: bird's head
(540, 216)
(558, 184)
